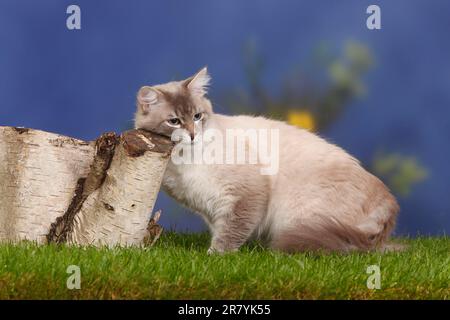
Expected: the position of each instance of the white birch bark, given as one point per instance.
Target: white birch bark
(58, 189)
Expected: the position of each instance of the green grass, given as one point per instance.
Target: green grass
(179, 268)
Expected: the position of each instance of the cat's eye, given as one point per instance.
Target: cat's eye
(198, 116)
(174, 121)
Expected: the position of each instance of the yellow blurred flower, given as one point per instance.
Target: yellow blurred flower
(302, 118)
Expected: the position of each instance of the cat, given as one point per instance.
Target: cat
(320, 198)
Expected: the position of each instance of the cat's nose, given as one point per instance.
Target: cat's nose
(192, 136)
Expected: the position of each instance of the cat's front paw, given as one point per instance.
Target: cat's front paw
(213, 250)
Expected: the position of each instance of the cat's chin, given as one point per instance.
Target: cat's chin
(190, 143)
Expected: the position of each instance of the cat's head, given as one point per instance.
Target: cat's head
(175, 105)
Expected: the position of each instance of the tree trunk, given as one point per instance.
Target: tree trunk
(58, 189)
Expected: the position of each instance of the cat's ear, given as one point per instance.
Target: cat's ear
(198, 83)
(148, 96)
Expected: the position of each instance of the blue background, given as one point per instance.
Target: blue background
(82, 83)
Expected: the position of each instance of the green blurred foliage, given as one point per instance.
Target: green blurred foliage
(324, 88)
(400, 172)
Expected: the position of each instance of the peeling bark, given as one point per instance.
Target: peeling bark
(59, 189)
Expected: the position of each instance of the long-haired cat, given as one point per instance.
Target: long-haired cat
(319, 199)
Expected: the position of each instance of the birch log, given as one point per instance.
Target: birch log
(58, 189)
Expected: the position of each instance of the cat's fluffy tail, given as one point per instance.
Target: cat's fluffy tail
(328, 234)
